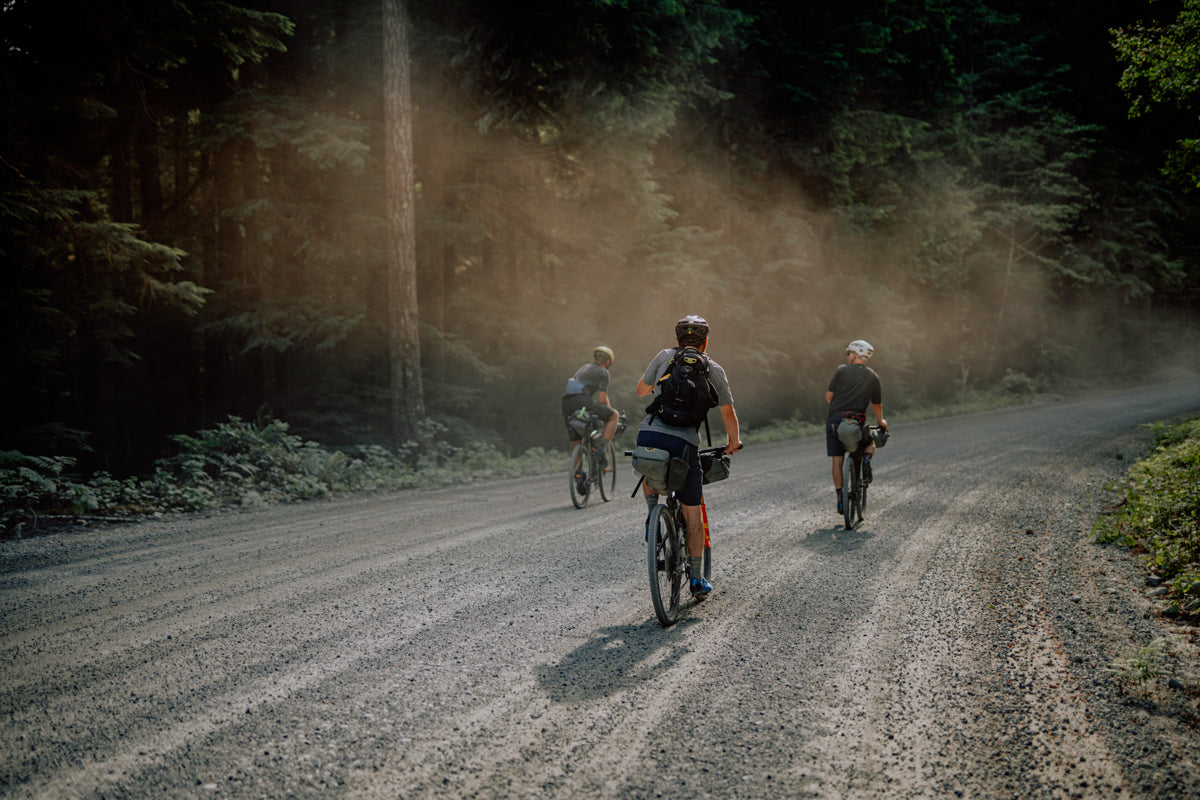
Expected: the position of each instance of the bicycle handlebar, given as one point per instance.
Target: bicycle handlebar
(708, 451)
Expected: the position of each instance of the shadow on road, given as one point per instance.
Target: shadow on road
(613, 659)
(830, 541)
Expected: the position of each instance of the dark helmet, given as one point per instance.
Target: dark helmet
(691, 325)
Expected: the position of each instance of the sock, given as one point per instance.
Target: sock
(867, 458)
(651, 501)
(697, 566)
(839, 494)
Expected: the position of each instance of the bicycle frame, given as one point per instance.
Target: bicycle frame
(854, 489)
(667, 555)
(585, 462)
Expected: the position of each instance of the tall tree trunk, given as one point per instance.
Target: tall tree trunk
(404, 343)
(433, 251)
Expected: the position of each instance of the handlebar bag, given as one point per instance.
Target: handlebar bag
(714, 467)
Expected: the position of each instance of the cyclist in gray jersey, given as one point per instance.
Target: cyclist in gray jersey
(852, 388)
(691, 331)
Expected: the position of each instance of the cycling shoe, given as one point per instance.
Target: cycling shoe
(700, 588)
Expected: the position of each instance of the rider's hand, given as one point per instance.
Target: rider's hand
(883, 424)
(730, 447)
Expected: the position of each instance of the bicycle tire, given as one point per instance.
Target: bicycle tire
(849, 492)
(708, 563)
(666, 562)
(862, 498)
(607, 478)
(579, 499)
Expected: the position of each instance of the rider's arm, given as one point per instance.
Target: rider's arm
(877, 410)
(602, 396)
(829, 396)
(732, 433)
(643, 388)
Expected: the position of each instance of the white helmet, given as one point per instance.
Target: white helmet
(862, 347)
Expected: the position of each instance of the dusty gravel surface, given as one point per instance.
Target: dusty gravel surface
(494, 642)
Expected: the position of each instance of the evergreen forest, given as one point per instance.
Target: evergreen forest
(206, 211)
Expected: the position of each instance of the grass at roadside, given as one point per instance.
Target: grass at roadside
(240, 463)
(1159, 511)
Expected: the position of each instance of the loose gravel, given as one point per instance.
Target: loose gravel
(968, 640)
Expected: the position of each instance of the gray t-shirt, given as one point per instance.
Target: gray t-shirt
(656, 369)
(588, 379)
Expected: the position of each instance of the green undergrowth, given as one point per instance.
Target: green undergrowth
(1159, 511)
(240, 463)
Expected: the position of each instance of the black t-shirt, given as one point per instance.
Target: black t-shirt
(854, 387)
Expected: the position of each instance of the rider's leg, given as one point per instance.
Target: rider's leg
(693, 518)
(610, 427)
(837, 471)
(694, 521)
(650, 495)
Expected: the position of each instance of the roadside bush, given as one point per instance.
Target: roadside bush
(1017, 383)
(1159, 511)
(240, 463)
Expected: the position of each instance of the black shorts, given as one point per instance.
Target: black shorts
(574, 402)
(833, 445)
(692, 493)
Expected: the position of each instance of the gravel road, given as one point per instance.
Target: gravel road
(494, 642)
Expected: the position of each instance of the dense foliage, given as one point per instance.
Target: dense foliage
(193, 225)
(238, 463)
(1159, 513)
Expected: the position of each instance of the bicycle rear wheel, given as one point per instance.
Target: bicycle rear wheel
(666, 561)
(849, 491)
(607, 475)
(578, 475)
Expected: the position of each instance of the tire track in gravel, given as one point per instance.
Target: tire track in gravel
(233, 687)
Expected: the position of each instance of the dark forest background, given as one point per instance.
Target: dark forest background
(193, 222)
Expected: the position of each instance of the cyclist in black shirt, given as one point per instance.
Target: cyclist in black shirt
(852, 388)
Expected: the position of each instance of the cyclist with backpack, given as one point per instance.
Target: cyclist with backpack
(685, 383)
(852, 388)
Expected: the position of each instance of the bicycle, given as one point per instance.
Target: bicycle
(666, 538)
(594, 465)
(854, 485)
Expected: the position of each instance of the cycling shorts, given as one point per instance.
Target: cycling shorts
(573, 402)
(833, 445)
(692, 493)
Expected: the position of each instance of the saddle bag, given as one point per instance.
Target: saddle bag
(849, 433)
(663, 473)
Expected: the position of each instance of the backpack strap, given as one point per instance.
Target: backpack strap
(670, 364)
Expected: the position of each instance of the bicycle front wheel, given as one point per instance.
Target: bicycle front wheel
(849, 491)
(666, 560)
(606, 473)
(578, 476)
(862, 497)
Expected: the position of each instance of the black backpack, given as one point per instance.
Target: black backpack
(685, 392)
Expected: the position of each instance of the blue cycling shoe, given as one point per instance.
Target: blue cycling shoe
(700, 588)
